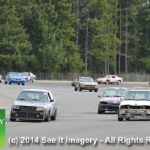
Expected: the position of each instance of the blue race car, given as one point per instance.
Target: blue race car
(14, 77)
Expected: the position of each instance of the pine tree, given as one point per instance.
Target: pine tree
(14, 43)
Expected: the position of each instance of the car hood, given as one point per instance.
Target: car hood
(135, 103)
(111, 100)
(88, 83)
(30, 103)
(17, 77)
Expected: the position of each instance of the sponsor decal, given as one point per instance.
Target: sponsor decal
(2, 127)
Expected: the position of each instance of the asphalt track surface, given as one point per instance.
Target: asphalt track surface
(77, 118)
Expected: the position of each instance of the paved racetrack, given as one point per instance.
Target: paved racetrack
(77, 118)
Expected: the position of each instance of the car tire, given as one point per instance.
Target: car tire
(90, 90)
(18, 83)
(106, 82)
(47, 119)
(75, 88)
(100, 111)
(11, 119)
(127, 119)
(95, 90)
(9, 82)
(54, 117)
(120, 119)
(5, 82)
(118, 82)
(32, 80)
(23, 83)
(80, 89)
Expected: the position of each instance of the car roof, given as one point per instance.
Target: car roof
(37, 90)
(117, 88)
(141, 90)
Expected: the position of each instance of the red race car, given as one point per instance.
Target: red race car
(109, 79)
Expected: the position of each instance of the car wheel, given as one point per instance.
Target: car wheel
(54, 117)
(120, 119)
(90, 90)
(32, 80)
(23, 83)
(9, 82)
(80, 89)
(100, 111)
(11, 119)
(127, 119)
(47, 119)
(5, 82)
(75, 88)
(118, 82)
(18, 83)
(95, 90)
(106, 82)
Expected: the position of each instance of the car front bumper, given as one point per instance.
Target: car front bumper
(17, 81)
(89, 87)
(136, 113)
(27, 115)
(108, 107)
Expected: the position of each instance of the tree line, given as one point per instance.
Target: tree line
(101, 36)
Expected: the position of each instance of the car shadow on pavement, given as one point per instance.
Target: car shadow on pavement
(33, 121)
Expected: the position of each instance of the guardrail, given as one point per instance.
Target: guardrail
(73, 76)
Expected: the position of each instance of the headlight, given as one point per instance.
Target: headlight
(16, 107)
(39, 108)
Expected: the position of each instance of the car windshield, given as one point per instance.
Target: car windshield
(16, 75)
(115, 93)
(86, 79)
(33, 96)
(138, 95)
(12, 73)
(107, 77)
(24, 74)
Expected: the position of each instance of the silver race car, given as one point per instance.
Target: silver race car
(28, 76)
(34, 104)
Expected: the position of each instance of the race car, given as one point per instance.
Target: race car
(85, 83)
(14, 77)
(28, 76)
(73, 82)
(111, 99)
(34, 104)
(109, 79)
(135, 105)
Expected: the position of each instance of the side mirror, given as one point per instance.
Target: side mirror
(99, 96)
(51, 100)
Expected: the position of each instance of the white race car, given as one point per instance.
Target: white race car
(109, 79)
(135, 105)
